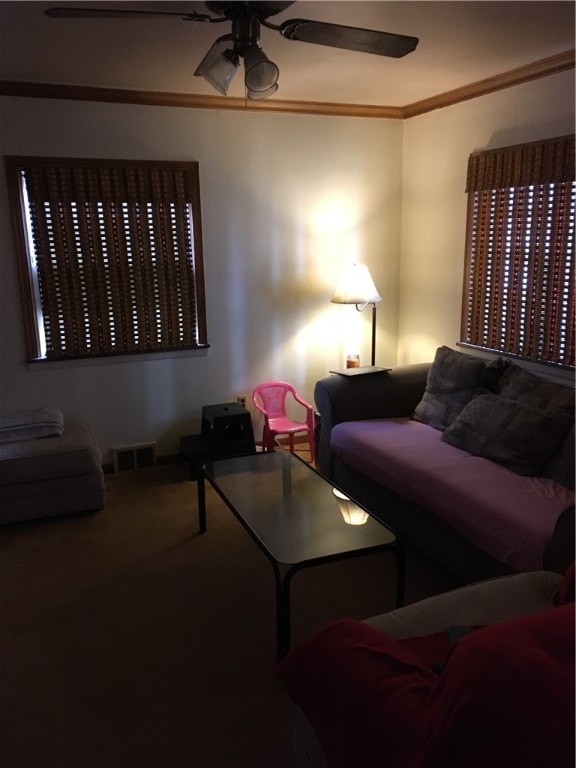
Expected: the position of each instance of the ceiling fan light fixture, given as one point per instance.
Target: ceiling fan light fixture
(260, 74)
(254, 95)
(219, 65)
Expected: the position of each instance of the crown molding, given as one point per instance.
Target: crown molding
(543, 68)
(190, 100)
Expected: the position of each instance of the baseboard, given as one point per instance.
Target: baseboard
(176, 458)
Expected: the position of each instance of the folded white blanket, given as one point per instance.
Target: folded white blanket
(31, 424)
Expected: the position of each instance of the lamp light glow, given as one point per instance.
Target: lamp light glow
(356, 286)
(351, 512)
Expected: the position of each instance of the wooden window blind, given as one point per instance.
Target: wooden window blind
(518, 294)
(110, 256)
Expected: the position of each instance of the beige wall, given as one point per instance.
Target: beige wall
(287, 200)
(436, 150)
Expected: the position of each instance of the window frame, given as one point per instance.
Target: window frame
(520, 215)
(168, 193)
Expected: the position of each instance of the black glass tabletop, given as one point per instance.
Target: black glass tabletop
(291, 509)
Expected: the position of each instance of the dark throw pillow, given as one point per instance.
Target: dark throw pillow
(561, 465)
(452, 380)
(518, 384)
(509, 432)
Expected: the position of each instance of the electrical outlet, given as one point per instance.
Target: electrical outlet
(241, 400)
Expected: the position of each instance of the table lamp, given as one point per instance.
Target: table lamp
(357, 287)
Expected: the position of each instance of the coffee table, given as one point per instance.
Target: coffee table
(290, 511)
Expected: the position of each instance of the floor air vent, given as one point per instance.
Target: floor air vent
(134, 456)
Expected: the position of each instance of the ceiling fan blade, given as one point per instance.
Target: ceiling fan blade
(350, 38)
(117, 13)
(259, 8)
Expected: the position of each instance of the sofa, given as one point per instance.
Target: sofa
(48, 466)
(470, 462)
(479, 676)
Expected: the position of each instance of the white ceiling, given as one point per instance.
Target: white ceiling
(461, 42)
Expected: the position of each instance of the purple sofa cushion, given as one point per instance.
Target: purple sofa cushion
(508, 516)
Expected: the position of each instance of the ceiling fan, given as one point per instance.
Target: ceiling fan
(260, 74)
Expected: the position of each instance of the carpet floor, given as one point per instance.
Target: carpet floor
(127, 640)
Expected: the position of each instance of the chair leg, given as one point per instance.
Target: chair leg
(291, 439)
(267, 439)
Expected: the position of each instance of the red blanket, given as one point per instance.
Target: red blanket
(504, 697)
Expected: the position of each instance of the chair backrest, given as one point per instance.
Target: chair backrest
(270, 397)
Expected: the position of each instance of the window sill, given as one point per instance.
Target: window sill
(550, 372)
(40, 363)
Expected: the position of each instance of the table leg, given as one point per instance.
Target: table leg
(201, 500)
(400, 574)
(283, 630)
(283, 582)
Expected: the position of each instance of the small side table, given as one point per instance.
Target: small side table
(361, 371)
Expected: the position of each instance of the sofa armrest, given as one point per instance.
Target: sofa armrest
(486, 602)
(382, 395)
(560, 552)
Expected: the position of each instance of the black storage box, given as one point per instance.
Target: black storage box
(226, 431)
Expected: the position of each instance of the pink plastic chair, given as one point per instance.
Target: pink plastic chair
(270, 399)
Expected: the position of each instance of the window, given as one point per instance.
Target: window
(519, 276)
(109, 255)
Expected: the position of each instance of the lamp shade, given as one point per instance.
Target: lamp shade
(355, 286)
(219, 65)
(262, 94)
(260, 74)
